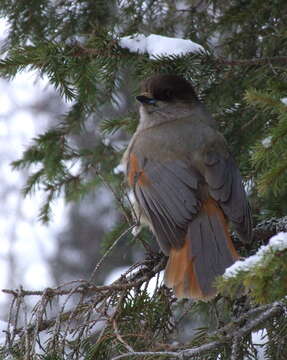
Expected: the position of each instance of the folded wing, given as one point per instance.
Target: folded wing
(226, 187)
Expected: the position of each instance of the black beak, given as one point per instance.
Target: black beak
(146, 100)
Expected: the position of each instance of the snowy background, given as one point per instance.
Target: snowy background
(26, 244)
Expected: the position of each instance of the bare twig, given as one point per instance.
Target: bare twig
(115, 325)
(119, 337)
(148, 268)
(149, 353)
(109, 251)
(118, 198)
(235, 350)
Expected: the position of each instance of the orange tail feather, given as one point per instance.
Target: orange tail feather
(180, 275)
(185, 267)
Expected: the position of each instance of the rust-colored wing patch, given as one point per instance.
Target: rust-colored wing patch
(212, 208)
(136, 174)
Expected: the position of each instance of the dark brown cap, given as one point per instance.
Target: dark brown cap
(169, 88)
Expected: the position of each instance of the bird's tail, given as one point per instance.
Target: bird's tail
(206, 253)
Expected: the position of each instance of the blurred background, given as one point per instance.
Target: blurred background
(32, 254)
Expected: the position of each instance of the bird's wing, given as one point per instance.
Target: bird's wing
(166, 193)
(226, 188)
(190, 228)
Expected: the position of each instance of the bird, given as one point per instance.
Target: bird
(187, 187)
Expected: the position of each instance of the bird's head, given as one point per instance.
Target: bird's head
(164, 97)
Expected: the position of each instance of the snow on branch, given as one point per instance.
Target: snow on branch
(262, 275)
(158, 45)
(277, 243)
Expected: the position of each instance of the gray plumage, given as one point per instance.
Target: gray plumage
(186, 185)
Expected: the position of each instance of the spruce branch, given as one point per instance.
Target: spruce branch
(115, 50)
(147, 269)
(233, 337)
(97, 299)
(267, 228)
(254, 62)
(269, 155)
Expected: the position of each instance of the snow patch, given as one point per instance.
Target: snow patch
(3, 329)
(136, 230)
(276, 243)
(121, 168)
(158, 45)
(115, 274)
(267, 142)
(259, 340)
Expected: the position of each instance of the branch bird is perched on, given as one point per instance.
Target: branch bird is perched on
(186, 185)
